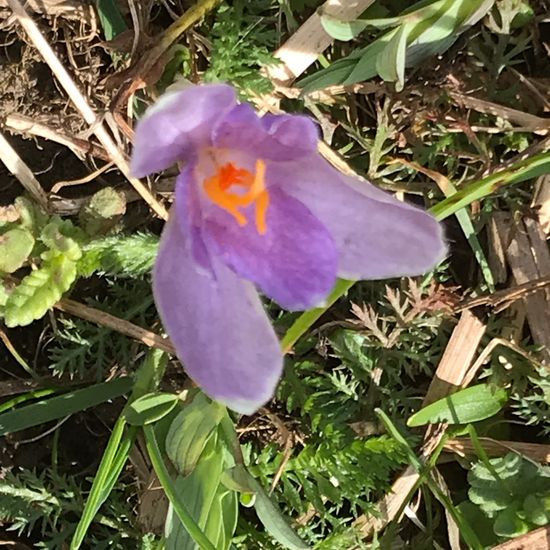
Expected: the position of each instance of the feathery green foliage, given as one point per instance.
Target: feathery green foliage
(242, 39)
(49, 503)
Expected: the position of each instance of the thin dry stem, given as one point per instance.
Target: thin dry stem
(464, 447)
(86, 179)
(27, 126)
(142, 335)
(22, 172)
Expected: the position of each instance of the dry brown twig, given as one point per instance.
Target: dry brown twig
(539, 539)
(526, 251)
(464, 447)
(86, 179)
(80, 102)
(529, 122)
(122, 326)
(22, 172)
(502, 299)
(27, 126)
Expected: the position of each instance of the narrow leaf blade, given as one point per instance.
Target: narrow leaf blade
(62, 405)
(468, 405)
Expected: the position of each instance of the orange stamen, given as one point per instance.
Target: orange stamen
(262, 202)
(218, 190)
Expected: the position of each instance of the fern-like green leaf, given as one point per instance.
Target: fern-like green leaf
(124, 256)
(40, 290)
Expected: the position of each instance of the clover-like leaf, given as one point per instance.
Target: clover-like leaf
(509, 524)
(515, 479)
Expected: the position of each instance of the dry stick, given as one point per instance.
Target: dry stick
(541, 202)
(64, 9)
(144, 336)
(458, 356)
(80, 102)
(539, 539)
(531, 123)
(86, 179)
(528, 256)
(502, 299)
(464, 447)
(22, 172)
(26, 125)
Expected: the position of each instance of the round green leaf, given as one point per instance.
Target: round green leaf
(508, 524)
(150, 408)
(15, 247)
(536, 509)
(469, 405)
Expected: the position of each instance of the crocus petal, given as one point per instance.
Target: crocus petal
(377, 236)
(294, 262)
(275, 137)
(177, 125)
(217, 324)
(188, 214)
(296, 132)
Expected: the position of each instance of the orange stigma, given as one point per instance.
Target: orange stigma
(218, 189)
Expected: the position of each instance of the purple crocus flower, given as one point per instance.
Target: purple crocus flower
(256, 206)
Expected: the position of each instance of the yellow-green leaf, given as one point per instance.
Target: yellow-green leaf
(15, 247)
(468, 405)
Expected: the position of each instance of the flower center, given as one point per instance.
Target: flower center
(232, 188)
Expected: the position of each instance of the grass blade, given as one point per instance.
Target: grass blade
(62, 405)
(110, 18)
(516, 173)
(118, 448)
(98, 492)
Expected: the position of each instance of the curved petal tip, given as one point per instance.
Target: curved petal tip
(177, 125)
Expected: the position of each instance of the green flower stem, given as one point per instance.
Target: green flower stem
(169, 488)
